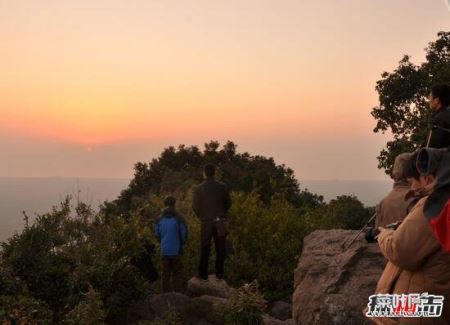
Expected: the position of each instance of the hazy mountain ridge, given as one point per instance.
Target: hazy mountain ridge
(38, 195)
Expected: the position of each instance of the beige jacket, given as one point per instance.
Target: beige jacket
(416, 264)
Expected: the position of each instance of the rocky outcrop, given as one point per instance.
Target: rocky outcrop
(203, 305)
(192, 311)
(332, 285)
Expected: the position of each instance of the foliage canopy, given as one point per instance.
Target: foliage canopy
(403, 107)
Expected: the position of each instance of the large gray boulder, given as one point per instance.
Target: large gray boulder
(333, 285)
(280, 310)
(211, 287)
(268, 320)
(157, 306)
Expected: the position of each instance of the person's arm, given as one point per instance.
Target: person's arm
(196, 202)
(410, 244)
(438, 135)
(157, 231)
(437, 138)
(183, 229)
(227, 198)
(184, 232)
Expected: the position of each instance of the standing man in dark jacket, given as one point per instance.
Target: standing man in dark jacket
(211, 202)
(439, 133)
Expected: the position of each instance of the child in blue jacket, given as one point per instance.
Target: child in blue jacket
(171, 232)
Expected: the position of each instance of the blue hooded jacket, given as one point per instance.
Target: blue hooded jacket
(171, 231)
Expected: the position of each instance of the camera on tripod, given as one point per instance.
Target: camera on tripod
(370, 233)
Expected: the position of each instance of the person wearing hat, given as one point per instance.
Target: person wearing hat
(171, 232)
(395, 205)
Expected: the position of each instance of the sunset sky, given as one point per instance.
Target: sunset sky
(88, 88)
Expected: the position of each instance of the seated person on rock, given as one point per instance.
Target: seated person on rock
(395, 205)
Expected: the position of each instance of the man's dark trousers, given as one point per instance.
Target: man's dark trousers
(209, 232)
(172, 274)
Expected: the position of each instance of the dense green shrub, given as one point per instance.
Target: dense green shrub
(69, 250)
(345, 212)
(89, 311)
(18, 309)
(266, 243)
(246, 305)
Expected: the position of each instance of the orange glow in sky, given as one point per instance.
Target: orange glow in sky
(94, 73)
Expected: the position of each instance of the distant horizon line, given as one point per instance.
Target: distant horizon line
(126, 178)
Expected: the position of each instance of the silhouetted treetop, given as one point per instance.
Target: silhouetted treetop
(176, 170)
